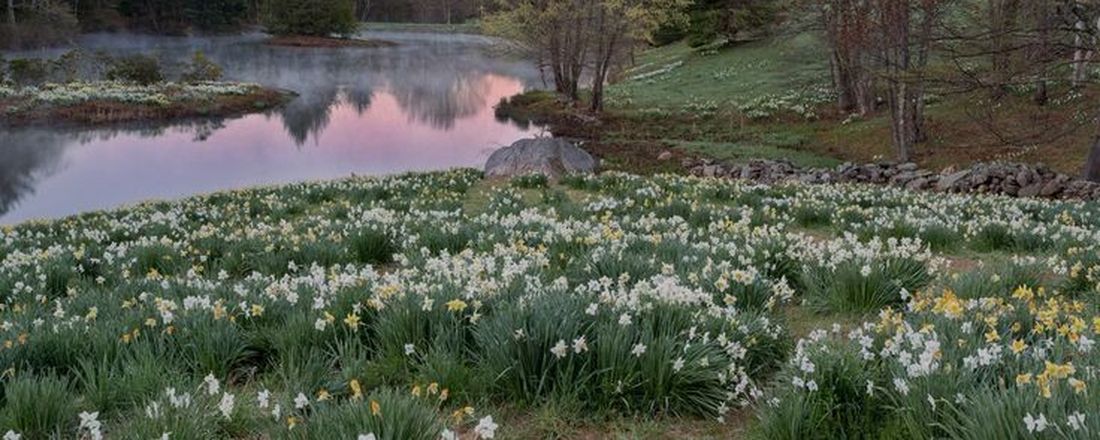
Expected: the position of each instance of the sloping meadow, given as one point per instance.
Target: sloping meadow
(412, 306)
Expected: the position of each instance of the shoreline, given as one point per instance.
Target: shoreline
(25, 111)
(306, 41)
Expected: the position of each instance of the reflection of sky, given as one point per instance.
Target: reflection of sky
(411, 118)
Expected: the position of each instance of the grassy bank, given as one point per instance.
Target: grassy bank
(469, 27)
(605, 306)
(111, 102)
(771, 99)
(326, 42)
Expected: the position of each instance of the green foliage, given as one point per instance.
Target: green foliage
(372, 246)
(201, 69)
(111, 385)
(710, 19)
(28, 71)
(311, 17)
(139, 69)
(216, 15)
(856, 287)
(840, 407)
(39, 407)
(530, 181)
(180, 16)
(399, 416)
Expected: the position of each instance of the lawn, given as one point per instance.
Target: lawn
(428, 305)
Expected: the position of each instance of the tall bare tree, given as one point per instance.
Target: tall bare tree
(572, 38)
(847, 25)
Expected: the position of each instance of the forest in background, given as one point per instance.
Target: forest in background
(40, 22)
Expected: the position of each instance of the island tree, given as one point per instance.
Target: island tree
(311, 17)
(573, 39)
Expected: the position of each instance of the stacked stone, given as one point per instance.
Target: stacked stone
(1011, 179)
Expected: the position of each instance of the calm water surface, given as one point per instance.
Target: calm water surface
(426, 104)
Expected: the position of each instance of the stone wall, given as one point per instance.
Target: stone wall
(1011, 179)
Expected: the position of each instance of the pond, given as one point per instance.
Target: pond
(424, 104)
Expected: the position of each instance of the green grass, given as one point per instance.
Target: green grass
(469, 27)
(743, 152)
(610, 306)
(740, 73)
(746, 100)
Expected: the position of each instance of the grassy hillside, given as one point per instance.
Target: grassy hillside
(771, 99)
(600, 307)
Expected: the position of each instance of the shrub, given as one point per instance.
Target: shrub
(27, 71)
(140, 69)
(201, 69)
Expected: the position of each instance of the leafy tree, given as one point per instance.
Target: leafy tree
(710, 19)
(311, 17)
(201, 69)
(216, 15)
(140, 69)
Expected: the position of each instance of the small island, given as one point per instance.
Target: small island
(325, 42)
(131, 89)
(321, 24)
(103, 102)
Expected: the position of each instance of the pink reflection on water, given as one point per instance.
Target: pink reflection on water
(258, 150)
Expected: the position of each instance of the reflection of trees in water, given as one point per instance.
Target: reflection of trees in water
(441, 100)
(435, 81)
(359, 99)
(309, 114)
(32, 154)
(28, 156)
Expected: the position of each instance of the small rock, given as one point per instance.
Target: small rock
(710, 170)
(918, 183)
(1031, 190)
(949, 181)
(1051, 188)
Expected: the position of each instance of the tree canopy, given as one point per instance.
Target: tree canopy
(311, 17)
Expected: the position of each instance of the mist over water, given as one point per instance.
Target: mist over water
(424, 104)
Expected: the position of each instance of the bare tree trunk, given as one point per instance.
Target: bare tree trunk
(11, 12)
(1092, 164)
(844, 99)
(846, 28)
(1040, 47)
(1082, 52)
(1002, 26)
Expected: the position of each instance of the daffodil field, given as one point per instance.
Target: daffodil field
(416, 306)
(111, 91)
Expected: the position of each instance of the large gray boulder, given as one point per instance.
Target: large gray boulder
(552, 157)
